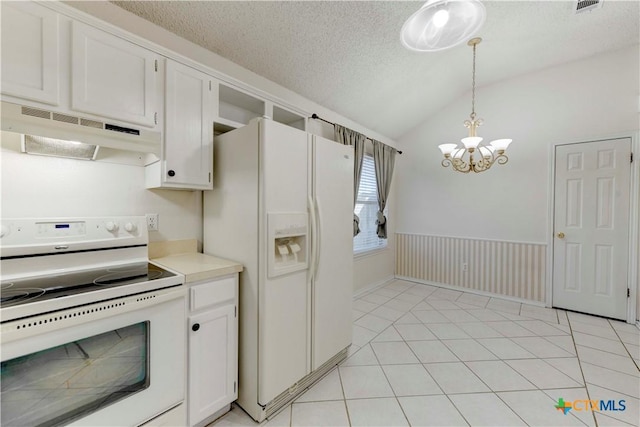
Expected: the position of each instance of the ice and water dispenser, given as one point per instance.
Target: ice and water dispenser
(288, 241)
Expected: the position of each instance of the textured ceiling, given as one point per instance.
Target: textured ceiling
(347, 55)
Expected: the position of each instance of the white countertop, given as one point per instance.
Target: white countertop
(197, 267)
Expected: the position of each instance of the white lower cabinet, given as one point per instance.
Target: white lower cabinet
(213, 349)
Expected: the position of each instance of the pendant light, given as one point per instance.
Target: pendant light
(442, 24)
(474, 156)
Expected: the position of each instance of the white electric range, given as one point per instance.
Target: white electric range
(92, 333)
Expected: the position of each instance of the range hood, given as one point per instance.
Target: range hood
(36, 121)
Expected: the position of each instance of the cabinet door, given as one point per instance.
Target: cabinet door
(213, 359)
(188, 138)
(112, 77)
(30, 49)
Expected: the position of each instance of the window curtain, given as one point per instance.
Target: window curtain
(347, 136)
(383, 160)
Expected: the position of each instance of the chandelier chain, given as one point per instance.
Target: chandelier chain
(473, 85)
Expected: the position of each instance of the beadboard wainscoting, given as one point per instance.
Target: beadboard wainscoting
(511, 269)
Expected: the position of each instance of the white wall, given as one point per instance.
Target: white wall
(39, 186)
(575, 102)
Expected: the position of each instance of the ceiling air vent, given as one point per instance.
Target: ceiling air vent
(587, 5)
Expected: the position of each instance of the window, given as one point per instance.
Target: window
(366, 209)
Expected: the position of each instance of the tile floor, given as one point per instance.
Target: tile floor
(427, 356)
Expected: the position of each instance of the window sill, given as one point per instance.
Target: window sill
(369, 252)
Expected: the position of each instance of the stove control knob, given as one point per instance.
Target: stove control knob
(130, 227)
(111, 226)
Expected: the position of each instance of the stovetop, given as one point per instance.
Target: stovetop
(36, 289)
(54, 264)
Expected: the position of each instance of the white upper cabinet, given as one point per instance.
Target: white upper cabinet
(30, 52)
(112, 77)
(187, 156)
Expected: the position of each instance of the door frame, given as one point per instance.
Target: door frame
(634, 219)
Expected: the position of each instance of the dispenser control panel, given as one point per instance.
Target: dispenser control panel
(288, 239)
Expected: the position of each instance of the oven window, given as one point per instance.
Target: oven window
(55, 386)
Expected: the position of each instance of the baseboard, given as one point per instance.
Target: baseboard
(372, 287)
(472, 291)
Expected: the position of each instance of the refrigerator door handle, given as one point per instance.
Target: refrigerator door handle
(318, 233)
(312, 233)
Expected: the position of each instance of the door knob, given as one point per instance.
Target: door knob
(561, 235)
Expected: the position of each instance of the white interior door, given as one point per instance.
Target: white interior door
(333, 281)
(591, 226)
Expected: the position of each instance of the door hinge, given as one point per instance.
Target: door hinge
(631, 156)
(209, 85)
(628, 293)
(155, 65)
(155, 118)
(234, 387)
(209, 176)
(235, 311)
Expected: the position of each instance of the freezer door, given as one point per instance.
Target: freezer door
(283, 312)
(332, 284)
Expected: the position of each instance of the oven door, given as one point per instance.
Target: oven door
(115, 363)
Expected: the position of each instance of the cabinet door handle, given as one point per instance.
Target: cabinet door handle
(171, 173)
(195, 327)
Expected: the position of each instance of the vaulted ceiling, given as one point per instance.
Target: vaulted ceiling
(347, 55)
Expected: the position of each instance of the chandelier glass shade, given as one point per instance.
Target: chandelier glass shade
(442, 24)
(473, 156)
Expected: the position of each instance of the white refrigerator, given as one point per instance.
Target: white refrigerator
(282, 205)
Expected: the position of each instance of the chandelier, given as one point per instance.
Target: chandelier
(474, 156)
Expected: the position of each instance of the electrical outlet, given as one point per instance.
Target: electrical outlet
(465, 266)
(152, 222)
